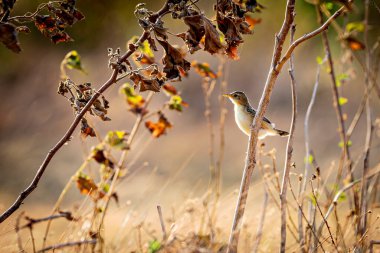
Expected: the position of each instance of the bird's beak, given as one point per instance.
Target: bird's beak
(226, 95)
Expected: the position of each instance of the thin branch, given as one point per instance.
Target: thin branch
(32, 221)
(19, 240)
(164, 234)
(362, 225)
(66, 137)
(259, 233)
(334, 202)
(345, 154)
(289, 148)
(264, 101)
(324, 220)
(67, 244)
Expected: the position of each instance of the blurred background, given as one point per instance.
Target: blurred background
(174, 167)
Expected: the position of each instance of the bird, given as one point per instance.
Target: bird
(244, 115)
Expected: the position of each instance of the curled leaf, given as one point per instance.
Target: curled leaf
(158, 128)
(97, 153)
(8, 36)
(86, 130)
(170, 89)
(173, 61)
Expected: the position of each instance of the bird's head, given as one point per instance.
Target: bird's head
(238, 98)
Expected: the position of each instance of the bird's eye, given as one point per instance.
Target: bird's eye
(235, 95)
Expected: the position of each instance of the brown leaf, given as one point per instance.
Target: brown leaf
(159, 128)
(98, 155)
(8, 36)
(354, 43)
(45, 23)
(212, 39)
(252, 21)
(87, 186)
(195, 33)
(153, 84)
(173, 60)
(170, 89)
(60, 37)
(86, 130)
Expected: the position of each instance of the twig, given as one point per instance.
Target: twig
(362, 225)
(259, 233)
(345, 154)
(32, 237)
(66, 137)
(371, 243)
(275, 69)
(19, 240)
(61, 196)
(324, 220)
(67, 244)
(164, 234)
(304, 216)
(333, 204)
(32, 221)
(289, 148)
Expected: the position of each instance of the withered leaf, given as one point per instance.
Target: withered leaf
(173, 60)
(354, 43)
(98, 155)
(86, 130)
(170, 89)
(87, 186)
(195, 33)
(60, 37)
(45, 23)
(153, 84)
(8, 36)
(159, 128)
(212, 39)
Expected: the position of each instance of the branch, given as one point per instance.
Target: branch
(66, 137)
(67, 244)
(289, 149)
(264, 101)
(250, 161)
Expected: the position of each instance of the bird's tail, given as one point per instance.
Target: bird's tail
(281, 132)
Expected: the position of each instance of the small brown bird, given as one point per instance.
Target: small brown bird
(244, 114)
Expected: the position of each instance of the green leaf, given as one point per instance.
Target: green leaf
(341, 78)
(176, 103)
(349, 144)
(117, 139)
(355, 26)
(319, 60)
(342, 100)
(143, 47)
(154, 246)
(329, 5)
(309, 159)
(72, 60)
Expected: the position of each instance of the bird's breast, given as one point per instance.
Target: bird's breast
(243, 119)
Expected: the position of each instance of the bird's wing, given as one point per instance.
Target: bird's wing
(253, 112)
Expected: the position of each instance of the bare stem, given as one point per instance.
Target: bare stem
(289, 149)
(67, 244)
